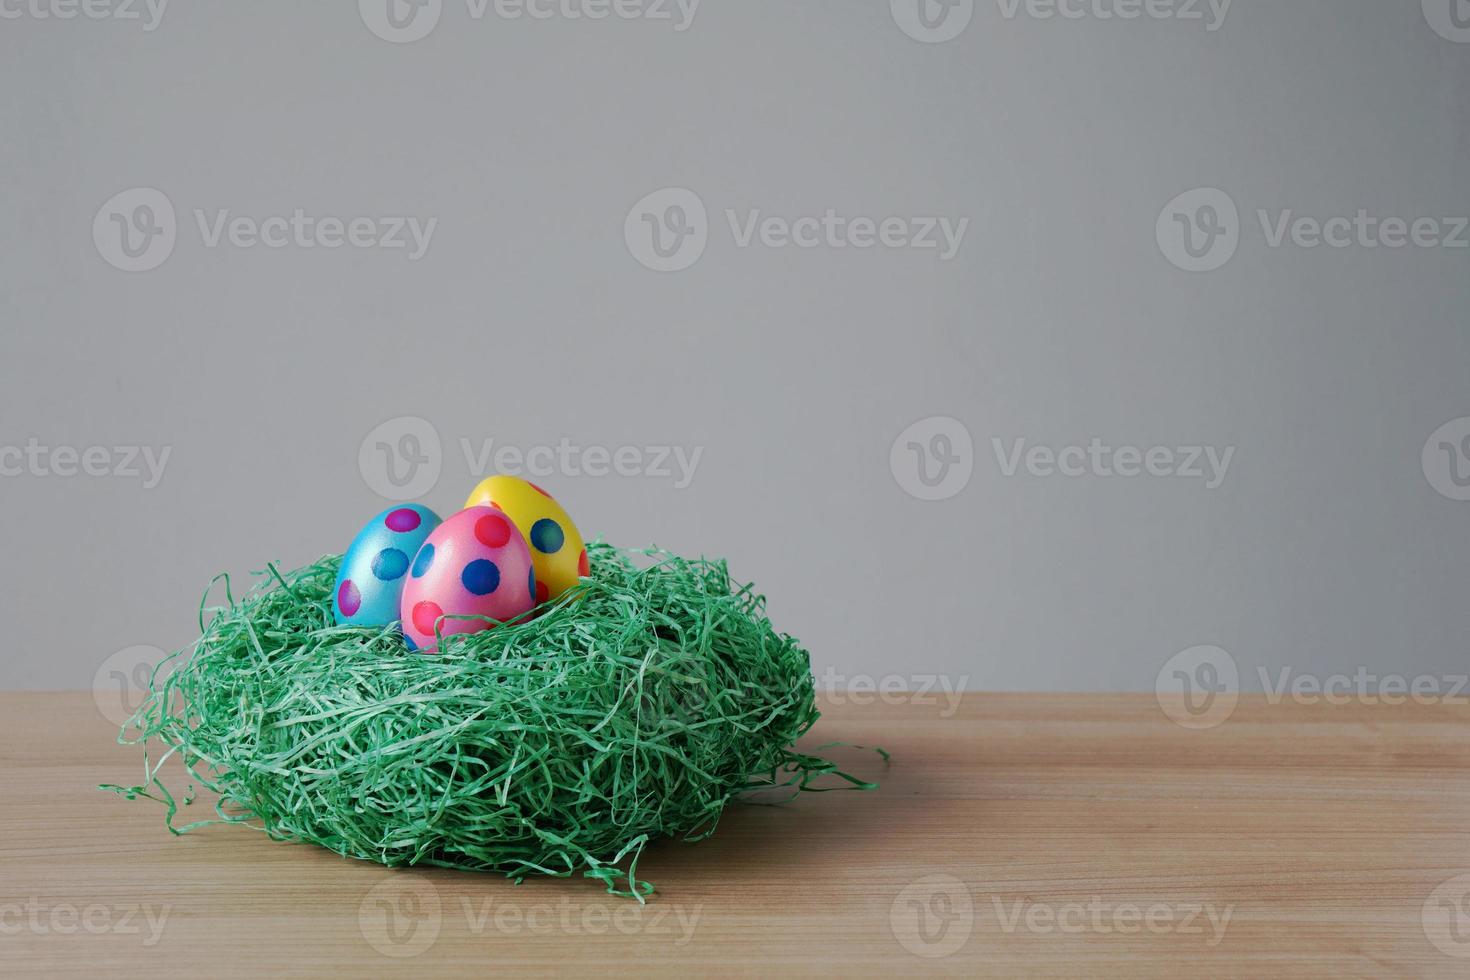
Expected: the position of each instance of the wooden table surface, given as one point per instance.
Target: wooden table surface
(1056, 835)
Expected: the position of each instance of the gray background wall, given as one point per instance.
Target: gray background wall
(530, 320)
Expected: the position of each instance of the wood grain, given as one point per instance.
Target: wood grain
(1039, 835)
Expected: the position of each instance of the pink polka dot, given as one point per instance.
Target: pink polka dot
(493, 531)
(402, 520)
(584, 567)
(542, 592)
(349, 600)
(425, 615)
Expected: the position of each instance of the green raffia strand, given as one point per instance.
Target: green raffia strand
(637, 706)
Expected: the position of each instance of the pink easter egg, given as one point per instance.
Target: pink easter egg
(474, 564)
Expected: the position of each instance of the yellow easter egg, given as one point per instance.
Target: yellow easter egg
(557, 552)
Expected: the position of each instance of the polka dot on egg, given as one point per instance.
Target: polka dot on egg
(403, 519)
(423, 560)
(539, 490)
(349, 600)
(584, 567)
(425, 615)
(480, 577)
(390, 564)
(541, 591)
(547, 536)
(493, 530)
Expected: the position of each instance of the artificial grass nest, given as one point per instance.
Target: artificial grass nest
(637, 706)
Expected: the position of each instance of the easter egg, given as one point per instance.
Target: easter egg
(474, 564)
(374, 569)
(556, 546)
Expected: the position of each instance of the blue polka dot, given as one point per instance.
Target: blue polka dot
(423, 560)
(481, 577)
(389, 564)
(531, 583)
(409, 640)
(547, 536)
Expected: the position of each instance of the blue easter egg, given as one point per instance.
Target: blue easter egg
(375, 567)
